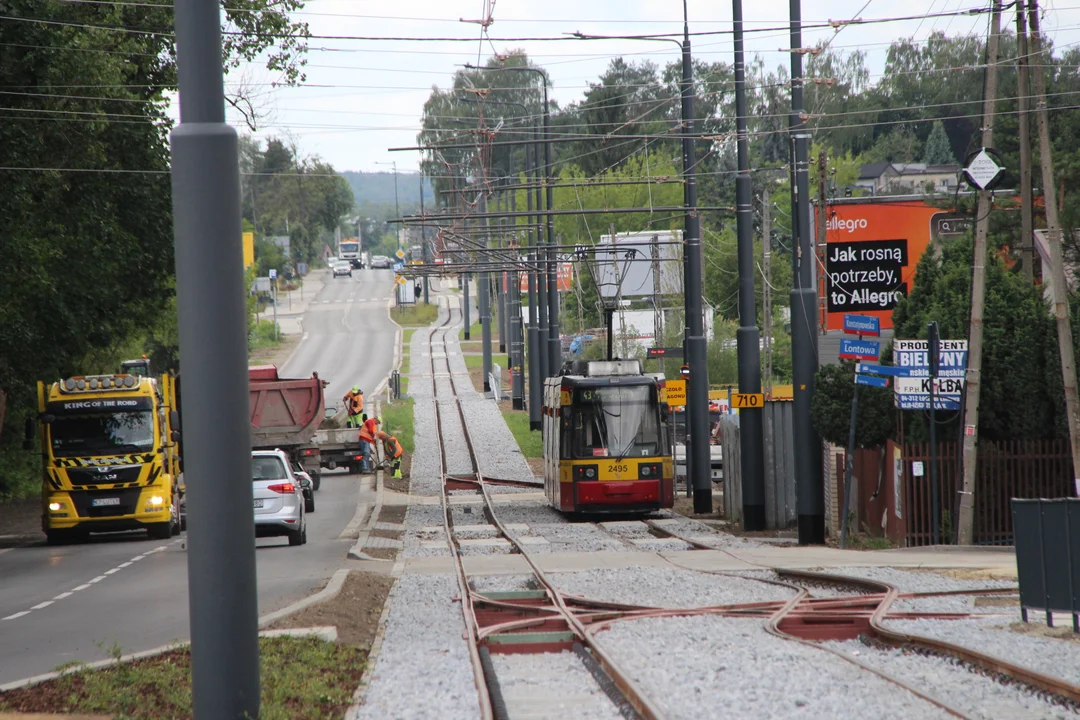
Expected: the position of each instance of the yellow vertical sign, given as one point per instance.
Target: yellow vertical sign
(675, 391)
(249, 249)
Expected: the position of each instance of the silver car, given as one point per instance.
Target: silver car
(279, 499)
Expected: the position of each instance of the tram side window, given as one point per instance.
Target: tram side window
(616, 422)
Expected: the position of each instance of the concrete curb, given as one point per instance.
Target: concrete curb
(352, 530)
(357, 551)
(332, 589)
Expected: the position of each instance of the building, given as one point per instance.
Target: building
(886, 178)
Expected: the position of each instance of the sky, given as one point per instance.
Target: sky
(363, 97)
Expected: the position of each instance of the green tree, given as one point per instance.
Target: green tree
(937, 150)
(830, 408)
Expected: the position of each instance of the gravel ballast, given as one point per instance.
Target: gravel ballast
(667, 588)
(551, 685)
(704, 667)
(423, 669)
(976, 695)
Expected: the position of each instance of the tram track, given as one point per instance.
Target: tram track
(519, 622)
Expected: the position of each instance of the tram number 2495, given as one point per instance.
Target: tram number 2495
(617, 468)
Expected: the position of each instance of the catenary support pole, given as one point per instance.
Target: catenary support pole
(543, 331)
(698, 462)
(810, 492)
(973, 377)
(222, 600)
(555, 342)
(933, 346)
(751, 428)
(1023, 91)
(766, 285)
(483, 286)
(1053, 232)
(849, 462)
(536, 378)
(423, 240)
(465, 306)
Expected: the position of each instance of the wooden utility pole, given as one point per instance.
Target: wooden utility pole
(1027, 243)
(1053, 239)
(766, 284)
(966, 520)
(822, 223)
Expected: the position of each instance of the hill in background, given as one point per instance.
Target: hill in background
(377, 188)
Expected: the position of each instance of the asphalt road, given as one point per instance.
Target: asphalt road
(65, 604)
(348, 337)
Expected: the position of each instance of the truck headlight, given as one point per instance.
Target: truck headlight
(53, 507)
(155, 500)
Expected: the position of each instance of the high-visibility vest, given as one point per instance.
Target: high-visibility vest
(368, 430)
(354, 403)
(393, 447)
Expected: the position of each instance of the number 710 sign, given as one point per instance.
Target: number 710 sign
(747, 400)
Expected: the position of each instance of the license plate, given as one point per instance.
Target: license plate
(258, 503)
(99, 502)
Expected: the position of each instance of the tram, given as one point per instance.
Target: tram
(606, 446)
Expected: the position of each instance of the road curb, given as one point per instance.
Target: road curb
(329, 592)
(357, 551)
(352, 530)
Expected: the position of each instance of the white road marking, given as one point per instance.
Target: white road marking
(81, 587)
(45, 604)
(114, 570)
(137, 558)
(128, 563)
(61, 596)
(98, 579)
(16, 615)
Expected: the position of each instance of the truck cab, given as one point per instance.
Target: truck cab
(110, 455)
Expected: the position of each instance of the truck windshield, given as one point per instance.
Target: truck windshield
(102, 433)
(616, 422)
(348, 248)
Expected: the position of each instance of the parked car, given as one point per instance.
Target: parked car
(381, 262)
(307, 486)
(342, 268)
(279, 497)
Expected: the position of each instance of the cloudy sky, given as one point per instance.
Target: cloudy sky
(362, 97)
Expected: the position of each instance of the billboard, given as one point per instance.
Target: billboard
(564, 278)
(871, 251)
(625, 267)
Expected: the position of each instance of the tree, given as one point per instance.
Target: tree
(937, 150)
(830, 408)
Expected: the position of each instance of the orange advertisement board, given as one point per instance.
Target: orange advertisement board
(871, 252)
(565, 278)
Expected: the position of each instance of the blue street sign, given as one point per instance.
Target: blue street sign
(862, 324)
(859, 349)
(872, 381)
(882, 370)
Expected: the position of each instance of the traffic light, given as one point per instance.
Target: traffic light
(685, 371)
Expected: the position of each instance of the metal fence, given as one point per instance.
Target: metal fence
(1048, 556)
(1006, 470)
(779, 467)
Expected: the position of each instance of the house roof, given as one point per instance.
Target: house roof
(871, 171)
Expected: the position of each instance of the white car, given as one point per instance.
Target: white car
(279, 497)
(342, 269)
(381, 262)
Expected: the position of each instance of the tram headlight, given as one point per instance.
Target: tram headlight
(649, 471)
(586, 472)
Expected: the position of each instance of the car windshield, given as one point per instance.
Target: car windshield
(616, 422)
(102, 433)
(267, 467)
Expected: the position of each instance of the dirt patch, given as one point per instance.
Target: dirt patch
(968, 573)
(390, 534)
(1039, 629)
(537, 466)
(401, 484)
(685, 506)
(20, 523)
(393, 514)
(276, 355)
(354, 612)
(381, 553)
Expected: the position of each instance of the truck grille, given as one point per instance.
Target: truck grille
(84, 502)
(83, 477)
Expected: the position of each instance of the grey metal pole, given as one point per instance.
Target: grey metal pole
(536, 377)
(543, 332)
(848, 464)
(222, 601)
(932, 347)
(698, 464)
(555, 351)
(465, 304)
(751, 431)
(423, 240)
(484, 286)
(809, 488)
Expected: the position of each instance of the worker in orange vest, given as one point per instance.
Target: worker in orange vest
(392, 451)
(354, 406)
(368, 431)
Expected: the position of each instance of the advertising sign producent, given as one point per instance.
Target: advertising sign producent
(872, 247)
(913, 392)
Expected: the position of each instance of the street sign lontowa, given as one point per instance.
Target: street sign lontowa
(859, 349)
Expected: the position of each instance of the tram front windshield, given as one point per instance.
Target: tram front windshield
(616, 422)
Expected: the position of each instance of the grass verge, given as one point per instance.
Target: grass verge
(397, 419)
(476, 332)
(406, 337)
(404, 369)
(531, 442)
(302, 678)
(415, 315)
(474, 362)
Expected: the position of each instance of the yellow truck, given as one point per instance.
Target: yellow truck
(110, 454)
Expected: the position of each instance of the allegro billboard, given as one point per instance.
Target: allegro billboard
(871, 251)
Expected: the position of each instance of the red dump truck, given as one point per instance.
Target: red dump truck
(285, 414)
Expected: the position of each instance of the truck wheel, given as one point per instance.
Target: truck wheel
(160, 531)
(316, 480)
